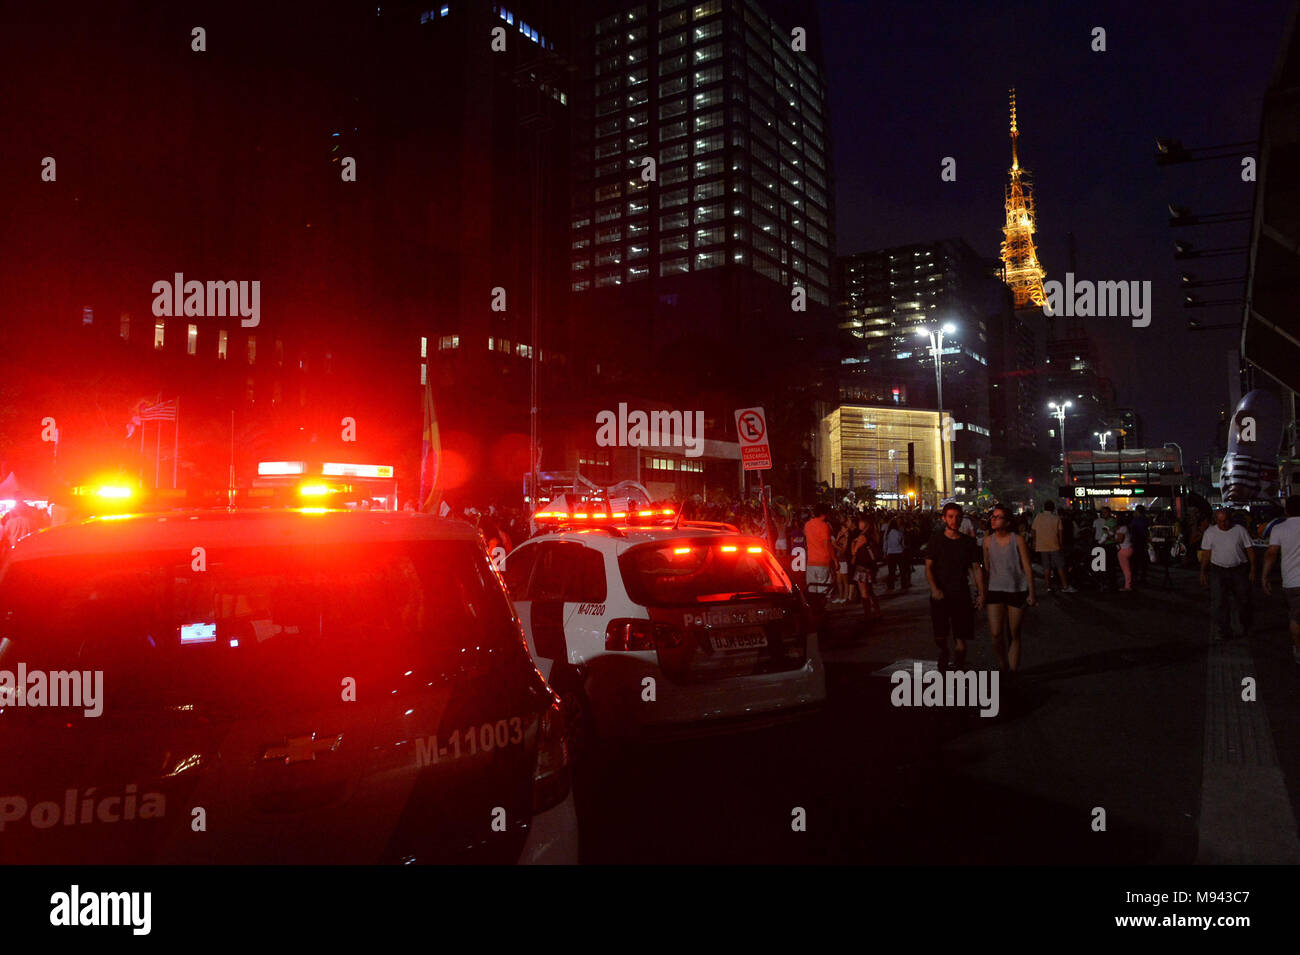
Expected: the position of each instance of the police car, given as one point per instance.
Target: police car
(652, 626)
(272, 686)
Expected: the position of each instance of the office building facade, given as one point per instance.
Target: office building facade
(887, 297)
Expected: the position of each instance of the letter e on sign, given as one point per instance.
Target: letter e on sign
(751, 429)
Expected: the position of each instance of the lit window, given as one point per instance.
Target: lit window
(424, 347)
(126, 326)
(424, 374)
(252, 353)
(192, 340)
(159, 329)
(222, 337)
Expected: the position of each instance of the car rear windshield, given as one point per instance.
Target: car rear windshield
(261, 627)
(684, 572)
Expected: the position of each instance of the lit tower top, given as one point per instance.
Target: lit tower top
(1019, 258)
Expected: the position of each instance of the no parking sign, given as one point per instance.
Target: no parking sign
(755, 452)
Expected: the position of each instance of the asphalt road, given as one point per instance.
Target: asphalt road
(1124, 704)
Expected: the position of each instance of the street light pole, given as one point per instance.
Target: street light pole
(936, 348)
(1058, 411)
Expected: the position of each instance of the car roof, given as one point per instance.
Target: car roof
(234, 528)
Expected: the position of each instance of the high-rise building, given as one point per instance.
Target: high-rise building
(1073, 373)
(887, 298)
(1015, 385)
(701, 226)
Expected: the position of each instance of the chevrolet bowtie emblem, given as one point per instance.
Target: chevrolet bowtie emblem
(301, 749)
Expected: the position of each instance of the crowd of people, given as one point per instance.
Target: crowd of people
(851, 554)
(848, 551)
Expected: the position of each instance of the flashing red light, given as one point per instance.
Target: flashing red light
(113, 491)
(314, 490)
(728, 548)
(645, 513)
(668, 511)
(681, 550)
(619, 514)
(754, 550)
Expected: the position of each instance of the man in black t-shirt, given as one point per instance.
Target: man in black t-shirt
(949, 558)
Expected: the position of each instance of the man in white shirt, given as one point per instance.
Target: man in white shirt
(1284, 542)
(1227, 567)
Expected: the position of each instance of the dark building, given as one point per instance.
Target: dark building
(685, 278)
(1125, 426)
(700, 233)
(1073, 373)
(886, 298)
(1015, 381)
(401, 216)
(1271, 326)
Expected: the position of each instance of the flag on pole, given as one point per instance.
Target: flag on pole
(430, 454)
(158, 411)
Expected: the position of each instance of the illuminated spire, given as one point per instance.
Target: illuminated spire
(1019, 258)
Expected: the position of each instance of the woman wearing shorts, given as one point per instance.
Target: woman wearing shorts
(865, 561)
(1010, 587)
(842, 589)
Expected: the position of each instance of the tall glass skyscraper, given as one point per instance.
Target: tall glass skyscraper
(725, 106)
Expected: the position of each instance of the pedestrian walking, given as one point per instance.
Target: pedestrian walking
(1140, 529)
(1050, 545)
(842, 564)
(1010, 587)
(1284, 545)
(1228, 569)
(821, 557)
(866, 561)
(1124, 542)
(894, 554)
(951, 557)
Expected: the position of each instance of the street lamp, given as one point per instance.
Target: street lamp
(936, 349)
(1102, 436)
(1058, 411)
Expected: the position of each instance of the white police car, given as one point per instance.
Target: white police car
(658, 629)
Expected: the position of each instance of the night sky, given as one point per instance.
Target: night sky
(910, 83)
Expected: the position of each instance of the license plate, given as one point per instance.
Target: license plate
(738, 639)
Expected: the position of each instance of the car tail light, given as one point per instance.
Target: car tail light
(554, 761)
(629, 634)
